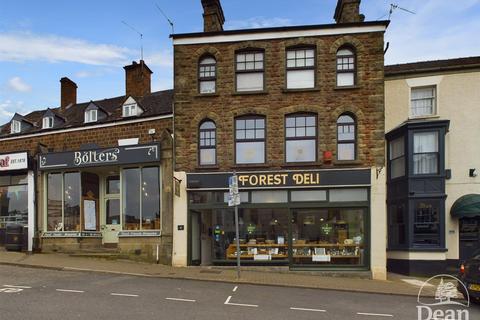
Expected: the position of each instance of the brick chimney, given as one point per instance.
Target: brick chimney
(68, 92)
(213, 18)
(137, 79)
(348, 11)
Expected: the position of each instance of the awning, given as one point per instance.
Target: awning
(467, 206)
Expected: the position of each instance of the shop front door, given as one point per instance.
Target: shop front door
(113, 223)
(469, 237)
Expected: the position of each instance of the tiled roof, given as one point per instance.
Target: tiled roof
(432, 66)
(154, 104)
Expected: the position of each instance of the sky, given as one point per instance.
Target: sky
(43, 41)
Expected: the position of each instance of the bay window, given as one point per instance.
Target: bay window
(301, 138)
(426, 227)
(397, 158)
(250, 140)
(425, 152)
(249, 68)
(300, 68)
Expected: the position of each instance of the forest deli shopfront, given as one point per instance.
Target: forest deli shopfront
(17, 199)
(99, 196)
(303, 219)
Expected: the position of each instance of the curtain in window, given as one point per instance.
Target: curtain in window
(425, 153)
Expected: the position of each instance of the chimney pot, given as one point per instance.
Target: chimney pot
(68, 93)
(348, 11)
(137, 79)
(213, 18)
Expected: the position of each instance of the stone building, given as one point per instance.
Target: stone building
(433, 191)
(298, 114)
(85, 176)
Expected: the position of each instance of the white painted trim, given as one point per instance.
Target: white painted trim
(105, 125)
(31, 208)
(277, 35)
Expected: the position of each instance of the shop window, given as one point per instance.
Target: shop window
(397, 222)
(141, 198)
(301, 138)
(13, 201)
(425, 152)
(207, 75)
(207, 143)
(346, 67)
(426, 227)
(329, 237)
(16, 126)
(276, 196)
(250, 140)
(346, 195)
(300, 68)
(423, 101)
(47, 123)
(308, 195)
(397, 158)
(346, 137)
(91, 116)
(249, 69)
(63, 201)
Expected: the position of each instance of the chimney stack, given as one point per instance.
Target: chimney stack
(137, 79)
(213, 18)
(68, 93)
(348, 11)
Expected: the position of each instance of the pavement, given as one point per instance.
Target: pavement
(395, 285)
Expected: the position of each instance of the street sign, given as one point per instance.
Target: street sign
(233, 184)
(234, 200)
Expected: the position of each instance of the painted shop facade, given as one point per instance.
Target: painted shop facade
(433, 192)
(93, 175)
(298, 114)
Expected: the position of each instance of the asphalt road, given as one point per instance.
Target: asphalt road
(47, 294)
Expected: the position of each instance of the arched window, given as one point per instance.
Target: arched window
(207, 75)
(346, 67)
(301, 137)
(250, 139)
(346, 137)
(207, 143)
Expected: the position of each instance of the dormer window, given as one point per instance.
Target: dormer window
(91, 116)
(16, 126)
(130, 110)
(47, 122)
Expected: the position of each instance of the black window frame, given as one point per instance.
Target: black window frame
(245, 140)
(300, 138)
(404, 156)
(205, 78)
(200, 147)
(313, 67)
(354, 141)
(437, 153)
(353, 70)
(262, 70)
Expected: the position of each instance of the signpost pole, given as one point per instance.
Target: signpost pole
(237, 236)
(234, 200)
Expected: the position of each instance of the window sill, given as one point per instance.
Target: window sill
(212, 167)
(286, 90)
(250, 166)
(346, 162)
(433, 116)
(347, 87)
(418, 249)
(206, 95)
(302, 164)
(246, 93)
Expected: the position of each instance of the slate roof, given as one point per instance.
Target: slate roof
(433, 66)
(154, 104)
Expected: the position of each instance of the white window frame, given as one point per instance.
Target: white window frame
(301, 62)
(15, 126)
(127, 110)
(244, 66)
(91, 116)
(47, 122)
(434, 103)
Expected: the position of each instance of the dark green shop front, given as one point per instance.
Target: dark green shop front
(303, 219)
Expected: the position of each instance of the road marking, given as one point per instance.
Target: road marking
(374, 314)
(235, 289)
(124, 294)
(227, 302)
(179, 299)
(306, 309)
(417, 283)
(68, 290)
(18, 287)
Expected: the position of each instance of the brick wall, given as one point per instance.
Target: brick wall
(366, 101)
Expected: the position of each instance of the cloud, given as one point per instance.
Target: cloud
(8, 109)
(17, 84)
(160, 59)
(26, 46)
(258, 22)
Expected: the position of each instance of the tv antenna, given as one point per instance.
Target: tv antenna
(170, 22)
(394, 7)
(141, 37)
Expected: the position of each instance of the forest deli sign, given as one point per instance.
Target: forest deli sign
(279, 179)
(13, 161)
(98, 157)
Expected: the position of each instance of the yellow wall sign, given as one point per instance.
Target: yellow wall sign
(287, 179)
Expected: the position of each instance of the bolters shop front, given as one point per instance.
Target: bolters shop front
(105, 198)
(302, 219)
